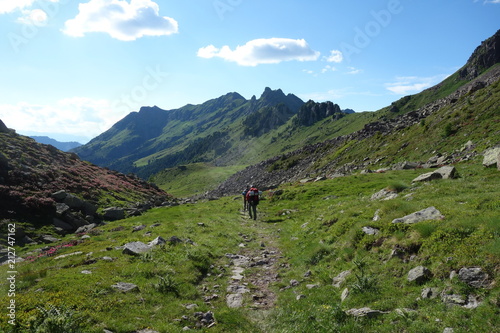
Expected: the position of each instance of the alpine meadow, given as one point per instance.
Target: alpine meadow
(367, 221)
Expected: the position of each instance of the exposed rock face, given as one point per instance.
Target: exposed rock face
(3, 128)
(311, 112)
(485, 56)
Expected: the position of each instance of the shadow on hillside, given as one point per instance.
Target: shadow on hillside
(273, 221)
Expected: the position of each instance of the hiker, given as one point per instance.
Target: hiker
(252, 197)
(245, 202)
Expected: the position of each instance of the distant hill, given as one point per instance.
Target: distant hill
(64, 146)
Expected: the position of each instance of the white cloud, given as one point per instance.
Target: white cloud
(8, 6)
(354, 71)
(77, 116)
(406, 85)
(335, 56)
(263, 51)
(492, 1)
(122, 20)
(35, 17)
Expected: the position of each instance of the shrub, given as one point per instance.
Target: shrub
(56, 320)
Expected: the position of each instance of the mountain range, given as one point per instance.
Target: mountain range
(64, 146)
(358, 231)
(231, 131)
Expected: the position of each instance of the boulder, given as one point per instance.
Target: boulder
(427, 177)
(135, 248)
(491, 157)
(430, 213)
(157, 241)
(76, 203)
(474, 277)
(113, 213)
(447, 172)
(419, 274)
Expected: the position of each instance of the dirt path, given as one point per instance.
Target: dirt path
(254, 269)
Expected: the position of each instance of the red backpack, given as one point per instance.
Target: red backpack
(253, 195)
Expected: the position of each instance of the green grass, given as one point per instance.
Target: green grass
(191, 179)
(317, 228)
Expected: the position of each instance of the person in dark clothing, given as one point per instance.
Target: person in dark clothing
(245, 202)
(252, 197)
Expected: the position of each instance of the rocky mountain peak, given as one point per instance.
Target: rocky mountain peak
(3, 128)
(486, 55)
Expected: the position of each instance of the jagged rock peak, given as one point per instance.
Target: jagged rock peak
(269, 92)
(486, 55)
(3, 128)
(154, 108)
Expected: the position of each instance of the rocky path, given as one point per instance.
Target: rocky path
(254, 268)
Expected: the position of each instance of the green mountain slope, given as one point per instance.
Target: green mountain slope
(152, 139)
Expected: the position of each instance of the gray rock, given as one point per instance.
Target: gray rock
(370, 230)
(430, 213)
(113, 213)
(491, 157)
(365, 312)
(447, 172)
(345, 294)
(474, 277)
(312, 286)
(430, 293)
(384, 195)
(157, 241)
(135, 248)
(174, 240)
(339, 279)
(76, 203)
(234, 300)
(454, 300)
(85, 228)
(61, 224)
(125, 287)
(49, 239)
(59, 195)
(419, 274)
(426, 177)
(472, 302)
(138, 228)
(448, 330)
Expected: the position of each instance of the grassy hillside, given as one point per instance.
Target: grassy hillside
(197, 178)
(308, 233)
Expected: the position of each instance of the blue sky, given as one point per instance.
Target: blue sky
(71, 69)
